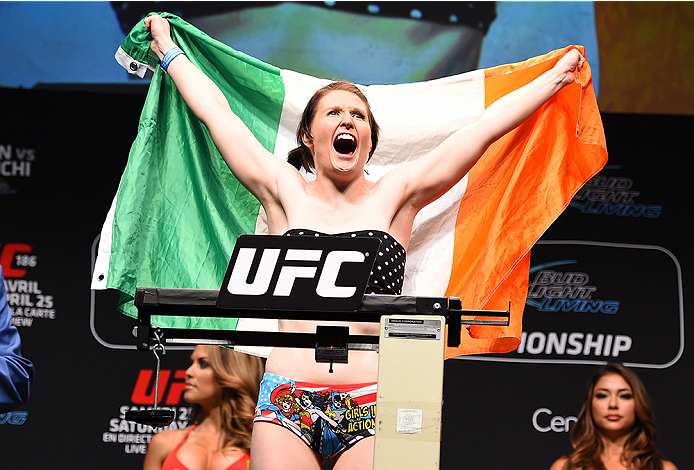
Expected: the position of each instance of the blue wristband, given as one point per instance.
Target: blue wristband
(170, 55)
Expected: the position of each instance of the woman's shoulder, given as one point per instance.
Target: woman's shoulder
(559, 464)
(168, 439)
(667, 465)
(161, 445)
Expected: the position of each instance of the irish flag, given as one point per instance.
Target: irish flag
(179, 210)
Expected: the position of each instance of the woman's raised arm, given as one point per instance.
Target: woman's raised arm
(254, 166)
(432, 175)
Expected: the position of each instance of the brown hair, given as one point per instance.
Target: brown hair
(239, 376)
(640, 451)
(301, 156)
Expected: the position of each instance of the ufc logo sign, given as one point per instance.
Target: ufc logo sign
(298, 273)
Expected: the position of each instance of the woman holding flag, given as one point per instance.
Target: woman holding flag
(336, 137)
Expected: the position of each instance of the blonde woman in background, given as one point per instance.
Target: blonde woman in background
(222, 385)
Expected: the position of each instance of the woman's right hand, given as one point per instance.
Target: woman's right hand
(161, 34)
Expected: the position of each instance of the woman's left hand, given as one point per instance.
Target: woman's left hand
(569, 64)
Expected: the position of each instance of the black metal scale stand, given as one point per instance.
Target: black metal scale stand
(331, 343)
(152, 301)
(319, 278)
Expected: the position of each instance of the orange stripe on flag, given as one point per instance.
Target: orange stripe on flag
(518, 188)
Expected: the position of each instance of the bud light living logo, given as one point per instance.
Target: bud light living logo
(552, 290)
(592, 302)
(570, 291)
(613, 196)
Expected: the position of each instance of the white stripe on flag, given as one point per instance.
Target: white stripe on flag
(414, 119)
(103, 258)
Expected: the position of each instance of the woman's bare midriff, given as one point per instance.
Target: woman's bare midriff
(300, 364)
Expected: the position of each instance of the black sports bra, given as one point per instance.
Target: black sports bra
(388, 272)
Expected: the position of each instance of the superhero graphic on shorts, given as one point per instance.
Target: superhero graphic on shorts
(327, 418)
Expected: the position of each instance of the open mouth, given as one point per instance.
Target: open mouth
(345, 144)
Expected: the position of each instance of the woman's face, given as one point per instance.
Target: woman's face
(613, 405)
(340, 134)
(201, 387)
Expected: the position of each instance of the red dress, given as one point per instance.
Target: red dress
(172, 463)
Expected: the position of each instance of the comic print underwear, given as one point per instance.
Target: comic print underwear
(328, 418)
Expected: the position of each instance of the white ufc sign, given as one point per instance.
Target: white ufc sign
(298, 273)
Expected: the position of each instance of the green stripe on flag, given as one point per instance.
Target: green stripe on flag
(179, 209)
